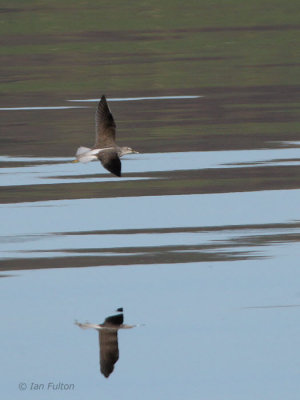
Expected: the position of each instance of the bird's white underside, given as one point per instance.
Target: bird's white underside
(100, 327)
(85, 154)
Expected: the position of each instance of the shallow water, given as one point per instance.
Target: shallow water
(199, 239)
(212, 279)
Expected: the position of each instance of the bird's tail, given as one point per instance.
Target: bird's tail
(85, 154)
(81, 150)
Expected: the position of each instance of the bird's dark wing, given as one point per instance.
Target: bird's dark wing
(109, 350)
(111, 161)
(116, 320)
(105, 125)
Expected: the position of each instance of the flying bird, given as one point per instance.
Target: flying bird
(105, 148)
(108, 340)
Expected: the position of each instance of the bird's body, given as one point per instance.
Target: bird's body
(105, 149)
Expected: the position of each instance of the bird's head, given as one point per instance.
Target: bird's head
(127, 150)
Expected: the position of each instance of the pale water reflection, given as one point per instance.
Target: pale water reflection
(38, 108)
(141, 98)
(214, 277)
(192, 267)
(32, 108)
(219, 340)
(34, 172)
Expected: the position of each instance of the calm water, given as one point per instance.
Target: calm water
(198, 241)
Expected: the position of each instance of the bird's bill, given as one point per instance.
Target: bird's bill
(136, 152)
(75, 161)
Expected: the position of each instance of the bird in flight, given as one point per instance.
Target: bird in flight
(105, 148)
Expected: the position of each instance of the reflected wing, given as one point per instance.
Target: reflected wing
(105, 125)
(116, 320)
(111, 161)
(109, 350)
(87, 325)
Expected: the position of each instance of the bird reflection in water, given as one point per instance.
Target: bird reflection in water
(108, 340)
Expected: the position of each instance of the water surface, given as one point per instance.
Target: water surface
(198, 241)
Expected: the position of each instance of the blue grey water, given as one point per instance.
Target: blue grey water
(198, 241)
(235, 321)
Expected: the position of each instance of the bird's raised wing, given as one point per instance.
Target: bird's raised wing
(105, 125)
(109, 350)
(110, 161)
